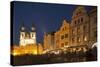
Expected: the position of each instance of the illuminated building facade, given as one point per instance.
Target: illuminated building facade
(62, 37)
(39, 48)
(23, 50)
(93, 25)
(80, 27)
(27, 43)
(57, 39)
(27, 38)
(49, 41)
(81, 32)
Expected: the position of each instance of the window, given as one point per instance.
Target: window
(62, 45)
(77, 13)
(81, 19)
(78, 30)
(66, 35)
(84, 27)
(78, 39)
(72, 31)
(75, 22)
(78, 21)
(66, 43)
(22, 34)
(85, 38)
(72, 40)
(32, 35)
(62, 37)
(62, 29)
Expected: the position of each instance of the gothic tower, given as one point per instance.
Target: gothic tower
(33, 34)
(22, 36)
(27, 37)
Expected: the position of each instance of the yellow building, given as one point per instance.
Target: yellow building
(57, 39)
(23, 50)
(40, 48)
(64, 34)
(49, 41)
(28, 49)
(80, 27)
(80, 33)
(46, 45)
(93, 25)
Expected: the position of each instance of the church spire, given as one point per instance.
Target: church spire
(22, 26)
(33, 27)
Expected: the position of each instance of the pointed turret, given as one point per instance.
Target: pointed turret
(33, 28)
(33, 33)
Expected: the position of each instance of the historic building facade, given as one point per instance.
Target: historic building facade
(27, 38)
(27, 43)
(49, 41)
(39, 48)
(80, 33)
(80, 27)
(57, 39)
(62, 37)
(93, 25)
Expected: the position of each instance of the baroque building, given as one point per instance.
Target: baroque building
(27, 43)
(27, 38)
(80, 27)
(62, 37)
(93, 25)
(80, 33)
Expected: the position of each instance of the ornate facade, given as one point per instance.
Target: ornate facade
(81, 32)
(27, 43)
(80, 27)
(62, 37)
(93, 25)
(27, 38)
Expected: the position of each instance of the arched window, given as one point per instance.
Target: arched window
(66, 35)
(62, 45)
(32, 35)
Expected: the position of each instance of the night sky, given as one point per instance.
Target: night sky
(45, 17)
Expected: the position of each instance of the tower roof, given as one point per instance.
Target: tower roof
(22, 27)
(33, 28)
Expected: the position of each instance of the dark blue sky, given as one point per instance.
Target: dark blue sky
(45, 17)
